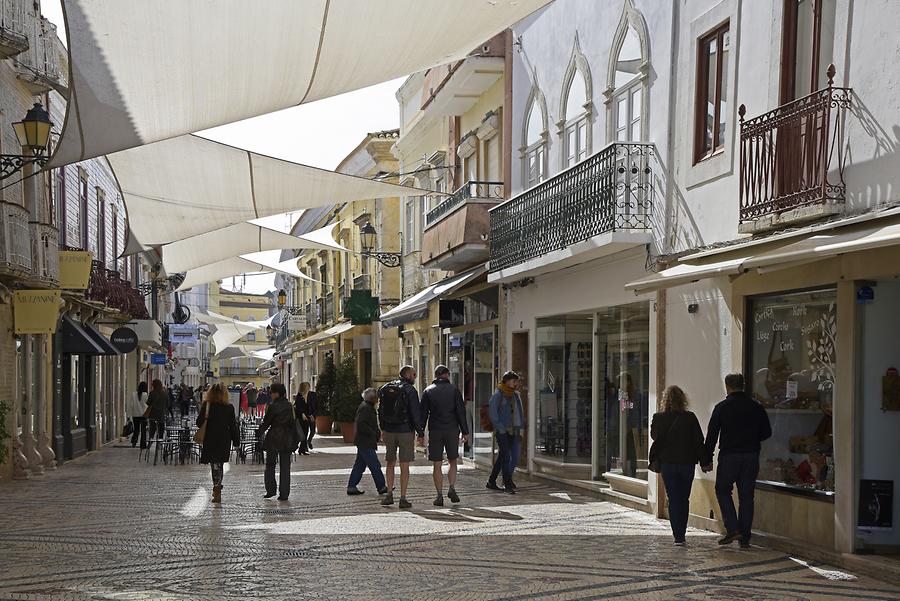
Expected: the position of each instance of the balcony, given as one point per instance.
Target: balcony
(362, 282)
(38, 67)
(328, 313)
(451, 90)
(45, 254)
(456, 230)
(792, 161)
(596, 208)
(14, 18)
(15, 241)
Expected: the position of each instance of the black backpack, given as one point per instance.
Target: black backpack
(392, 400)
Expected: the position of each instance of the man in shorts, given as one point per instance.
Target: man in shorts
(444, 412)
(400, 416)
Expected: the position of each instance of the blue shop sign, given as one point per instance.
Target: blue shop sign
(158, 358)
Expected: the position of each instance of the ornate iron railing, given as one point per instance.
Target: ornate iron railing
(793, 156)
(115, 291)
(97, 289)
(610, 190)
(490, 191)
(134, 302)
(328, 314)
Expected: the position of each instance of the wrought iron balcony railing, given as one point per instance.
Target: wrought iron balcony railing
(489, 191)
(609, 191)
(362, 282)
(793, 156)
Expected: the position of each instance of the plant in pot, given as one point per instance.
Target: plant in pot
(346, 397)
(325, 394)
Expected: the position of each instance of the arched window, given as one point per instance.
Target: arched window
(575, 110)
(627, 83)
(534, 149)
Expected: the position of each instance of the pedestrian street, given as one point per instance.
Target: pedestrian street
(111, 527)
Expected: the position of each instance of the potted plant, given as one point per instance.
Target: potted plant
(346, 397)
(325, 393)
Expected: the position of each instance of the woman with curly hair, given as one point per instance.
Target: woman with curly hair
(677, 448)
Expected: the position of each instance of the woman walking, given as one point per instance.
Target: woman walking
(312, 410)
(301, 410)
(138, 407)
(159, 405)
(221, 433)
(677, 447)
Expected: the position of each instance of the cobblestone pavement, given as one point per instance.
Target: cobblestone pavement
(110, 527)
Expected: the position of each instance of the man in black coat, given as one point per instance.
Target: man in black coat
(444, 412)
(367, 436)
(280, 438)
(739, 424)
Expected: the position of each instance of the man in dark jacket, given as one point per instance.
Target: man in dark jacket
(279, 430)
(739, 424)
(444, 413)
(400, 421)
(366, 441)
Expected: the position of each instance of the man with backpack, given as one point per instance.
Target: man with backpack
(444, 412)
(400, 416)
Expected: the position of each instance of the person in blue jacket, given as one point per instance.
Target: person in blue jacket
(508, 420)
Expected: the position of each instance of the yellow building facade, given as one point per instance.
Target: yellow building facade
(242, 306)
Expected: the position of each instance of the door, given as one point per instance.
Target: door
(519, 364)
(484, 383)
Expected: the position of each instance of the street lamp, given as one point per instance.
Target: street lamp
(367, 237)
(283, 306)
(33, 134)
(270, 332)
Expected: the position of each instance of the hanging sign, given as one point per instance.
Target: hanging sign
(74, 269)
(865, 295)
(36, 311)
(124, 339)
(157, 358)
(361, 307)
(183, 333)
(296, 323)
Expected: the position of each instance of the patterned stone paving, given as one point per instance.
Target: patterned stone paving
(110, 527)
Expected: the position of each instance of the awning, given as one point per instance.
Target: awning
(839, 241)
(416, 307)
(236, 240)
(236, 266)
(77, 341)
(141, 73)
(335, 330)
(100, 339)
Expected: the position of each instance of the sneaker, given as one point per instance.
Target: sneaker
(269, 495)
(404, 504)
(439, 501)
(388, 500)
(354, 491)
(492, 485)
(454, 498)
(509, 490)
(680, 543)
(729, 538)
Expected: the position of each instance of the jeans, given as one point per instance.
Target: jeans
(741, 469)
(366, 458)
(678, 478)
(284, 481)
(140, 429)
(507, 457)
(218, 470)
(312, 431)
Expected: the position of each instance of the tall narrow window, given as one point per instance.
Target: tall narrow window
(83, 209)
(628, 97)
(575, 143)
(61, 204)
(410, 225)
(100, 198)
(535, 146)
(712, 92)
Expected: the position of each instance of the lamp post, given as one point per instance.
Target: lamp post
(33, 134)
(283, 306)
(367, 238)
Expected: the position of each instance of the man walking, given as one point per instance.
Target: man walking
(400, 415)
(444, 412)
(366, 441)
(508, 420)
(739, 424)
(279, 433)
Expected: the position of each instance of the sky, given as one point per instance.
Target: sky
(319, 134)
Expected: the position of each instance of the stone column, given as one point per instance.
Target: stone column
(29, 446)
(43, 404)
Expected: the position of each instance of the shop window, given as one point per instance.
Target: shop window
(792, 354)
(712, 88)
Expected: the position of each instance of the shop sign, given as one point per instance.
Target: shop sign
(36, 311)
(124, 339)
(157, 358)
(865, 295)
(183, 333)
(296, 323)
(876, 505)
(74, 269)
(210, 374)
(361, 307)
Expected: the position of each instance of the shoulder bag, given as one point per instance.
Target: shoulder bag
(653, 457)
(201, 431)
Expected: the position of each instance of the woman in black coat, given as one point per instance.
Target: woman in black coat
(222, 432)
(301, 412)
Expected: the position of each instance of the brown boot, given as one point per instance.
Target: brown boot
(217, 494)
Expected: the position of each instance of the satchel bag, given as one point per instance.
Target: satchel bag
(653, 456)
(201, 431)
(128, 430)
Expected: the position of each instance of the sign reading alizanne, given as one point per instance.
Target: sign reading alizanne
(36, 311)
(74, 269)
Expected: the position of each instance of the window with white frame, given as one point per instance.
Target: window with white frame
(535, 155)
(575, 131)
(628, 95)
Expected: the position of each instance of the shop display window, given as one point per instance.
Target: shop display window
(792, 353)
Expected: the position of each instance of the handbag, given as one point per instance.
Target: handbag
(128, 430)
(201, 431)
(653, 456)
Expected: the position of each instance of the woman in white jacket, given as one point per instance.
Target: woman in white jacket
(138, 406)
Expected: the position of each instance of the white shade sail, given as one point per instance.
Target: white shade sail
(148, 71)
(236, 266)
(227, 334)
(236, 240)
(210, 186)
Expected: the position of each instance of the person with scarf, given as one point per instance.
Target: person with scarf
(508, 420)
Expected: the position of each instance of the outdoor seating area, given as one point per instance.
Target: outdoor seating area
(171, 442)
